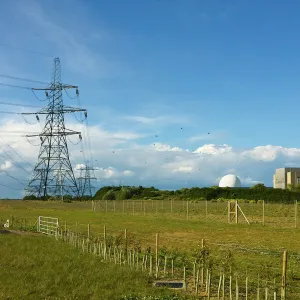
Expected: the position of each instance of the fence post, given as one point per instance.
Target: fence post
(38, 224)
(156, 255)
(263, 212)
(205, 210)
(104, 239)
(89, 230)
(283, 278)
(187, 209)
(125, 237)
(202, 267)
(123, 207)
(296, 211)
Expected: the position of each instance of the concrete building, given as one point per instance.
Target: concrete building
(285, 176)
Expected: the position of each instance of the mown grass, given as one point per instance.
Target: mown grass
(39, 267)
(255, 248)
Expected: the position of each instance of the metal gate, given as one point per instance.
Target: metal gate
(48, 225)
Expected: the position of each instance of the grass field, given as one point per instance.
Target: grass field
(39, 267)
(256, 249)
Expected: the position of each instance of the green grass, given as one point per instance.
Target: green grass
(39, 267)
(256, 248)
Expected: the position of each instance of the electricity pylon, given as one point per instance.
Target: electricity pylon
(84, 181)
(53, 174)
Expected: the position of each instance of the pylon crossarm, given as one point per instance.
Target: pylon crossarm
(62, 86)
(67, 110)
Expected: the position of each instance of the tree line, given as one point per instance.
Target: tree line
(257, 192)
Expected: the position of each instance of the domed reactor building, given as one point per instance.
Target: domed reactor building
(231, 181)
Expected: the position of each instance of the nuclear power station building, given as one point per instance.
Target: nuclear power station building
(285, 176)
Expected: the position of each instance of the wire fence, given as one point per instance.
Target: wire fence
(270, 214)
(212, 270)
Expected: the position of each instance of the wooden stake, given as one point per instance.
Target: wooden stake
(246, 288)
(197, 282)
(206, 212)
(156, 254)
(133, 207)
(219, 287)
(283, 278)
(89, 230)
(236, 213)
(263, 208)
(230, 287)
(296, 212)
(223, 287)
(202, 266)
(150, 266)
(258, 296)
(236, 289)
(208, 289)
(184, 277)
(114, 206)
(171, 206)
(187, 209)
(194, 274)
(123, 207)
(104, 240)
(125, 237)
(106, 206)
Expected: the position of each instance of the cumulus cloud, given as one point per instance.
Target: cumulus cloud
(6, 165)
(122, 158)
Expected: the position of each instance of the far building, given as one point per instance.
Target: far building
(285, 176)
(230, 180)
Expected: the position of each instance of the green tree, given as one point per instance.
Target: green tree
(110, 195)
(258, 186)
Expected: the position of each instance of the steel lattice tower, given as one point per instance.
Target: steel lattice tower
(84, 181)
(53, 174)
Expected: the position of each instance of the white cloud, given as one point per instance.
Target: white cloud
(119, 157)
(128, 173)
(165, 147)
(158, 121)
(6, 165)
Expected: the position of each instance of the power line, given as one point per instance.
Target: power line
(15, 86)
(17, 104)
(15, 151)
(23, 79)
(26, 50)
(1, 184)
(12, 177)
(9, 112)
(15, 163)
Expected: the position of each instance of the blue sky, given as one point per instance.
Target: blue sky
(146, 69)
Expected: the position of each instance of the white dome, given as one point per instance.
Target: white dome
(230, 180)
